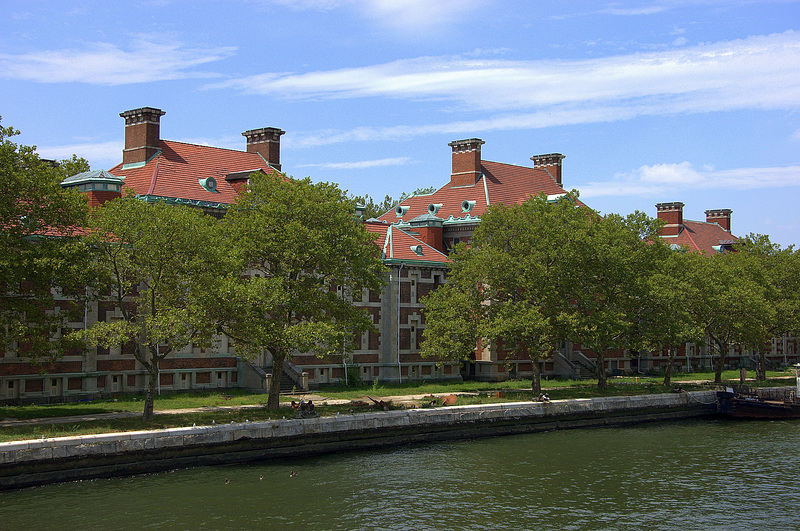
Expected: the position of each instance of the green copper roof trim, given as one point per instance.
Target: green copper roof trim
(428, 263)
(182, 201)
(95, 176)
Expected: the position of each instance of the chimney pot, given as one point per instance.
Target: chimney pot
(551, 163)
(267, 143)
(142, 134)
(672, 214)
(720, 216)
(466, 162)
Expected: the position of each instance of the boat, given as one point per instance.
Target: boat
(763, 403)
(780, 403)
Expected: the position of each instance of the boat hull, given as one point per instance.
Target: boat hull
(739, 407)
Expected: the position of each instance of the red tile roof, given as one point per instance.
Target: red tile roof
(500, 183)
(701, 236)
(398, 245)
(176, 172)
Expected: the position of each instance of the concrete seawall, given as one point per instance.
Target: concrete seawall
(37, 462)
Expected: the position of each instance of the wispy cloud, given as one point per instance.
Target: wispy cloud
(727, 75)
(145, 60)
(534, 94)
(658, 179)
(359, 165)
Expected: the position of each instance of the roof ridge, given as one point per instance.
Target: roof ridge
(207, 146)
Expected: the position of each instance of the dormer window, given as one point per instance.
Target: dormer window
(209, 184)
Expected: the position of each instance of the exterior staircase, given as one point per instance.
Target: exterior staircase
(291, 379)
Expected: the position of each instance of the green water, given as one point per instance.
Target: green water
(693, 475)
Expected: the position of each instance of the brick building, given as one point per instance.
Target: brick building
(210, 178)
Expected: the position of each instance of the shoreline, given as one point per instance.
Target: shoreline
(40, 462)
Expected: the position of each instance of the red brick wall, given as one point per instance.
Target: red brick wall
(203, 377)
(423, 289)
(467, 164)
(374, 341)
(56, 367)
(405, 338)
(116, 365)
(75, 384)
(198, 363)
(101, 382)
(405, 292)
(98, 197)
(165, 378)
(34, 386)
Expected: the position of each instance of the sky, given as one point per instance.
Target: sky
(650, 101)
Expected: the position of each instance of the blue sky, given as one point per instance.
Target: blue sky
(655, 101)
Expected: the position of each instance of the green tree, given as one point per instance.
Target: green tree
(504, 289)
(727, 302)
(39, 254)
(375, 209)
(778, 272)
(664, 320)
(305, 255)
(610, 263)
(157, 264)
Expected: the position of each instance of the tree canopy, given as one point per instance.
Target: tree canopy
(505, 288)
(306, 257)
(157, 263)
(39, 254)
(375, 209)
(541, 272)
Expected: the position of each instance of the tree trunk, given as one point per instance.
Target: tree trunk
(602, 382)
(720, 359)
(761, 370)
(150, 391)
(274, 399)
(536, 379)
(670, 364)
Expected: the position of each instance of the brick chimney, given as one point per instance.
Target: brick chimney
(672, 214)
(430, 230)
(466, 162)
(721, 216)
(267, 143)
(551, 163)
(142, 134)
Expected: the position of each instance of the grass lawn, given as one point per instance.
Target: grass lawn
(481, 393)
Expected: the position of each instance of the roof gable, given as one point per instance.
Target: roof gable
(499, 183)
(701, 236)
(398, 245)
(182, 171)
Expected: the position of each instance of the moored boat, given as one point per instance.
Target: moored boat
(735, 405)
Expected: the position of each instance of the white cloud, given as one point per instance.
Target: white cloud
(107, 153)
(418, 15)
(634, 11)
(146, 60)
(407, 16)
(359, 165)
(660, 179)
(722, 76)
